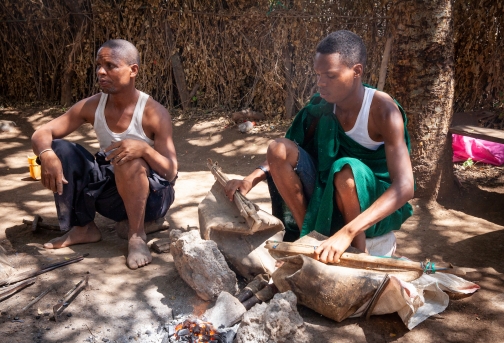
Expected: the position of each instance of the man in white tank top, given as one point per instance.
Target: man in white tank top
(132, 176)
(344, 168)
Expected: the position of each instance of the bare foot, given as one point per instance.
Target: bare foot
(77, 235)
(138, 253)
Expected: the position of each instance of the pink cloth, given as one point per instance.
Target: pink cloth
(477, 149)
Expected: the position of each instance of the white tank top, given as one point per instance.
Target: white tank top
(134, 130)
(359, 132)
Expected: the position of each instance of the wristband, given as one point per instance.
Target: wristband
(264, 170)
(39, 161)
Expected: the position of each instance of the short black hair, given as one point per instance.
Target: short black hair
(126, 50)
(349, 45)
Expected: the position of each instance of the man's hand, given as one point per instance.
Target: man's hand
(232, 186)
(126, 150)
(332, 248)
(52, 172)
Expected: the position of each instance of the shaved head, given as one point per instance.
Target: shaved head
(125, 50)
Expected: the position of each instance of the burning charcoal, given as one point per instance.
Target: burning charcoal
(183, 332)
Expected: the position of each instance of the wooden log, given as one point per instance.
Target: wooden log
(8, 291)
(383, 68)
(178, 69)
(161, 246)
(365, 261)
(247, 208)
(484, 133)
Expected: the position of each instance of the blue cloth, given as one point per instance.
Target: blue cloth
(307, 172)
(91, 188)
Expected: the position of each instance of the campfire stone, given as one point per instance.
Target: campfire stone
(228, 310)
(278, 321)
(201, 265)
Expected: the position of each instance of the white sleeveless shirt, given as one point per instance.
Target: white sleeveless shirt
(359, 133)
(134, 130)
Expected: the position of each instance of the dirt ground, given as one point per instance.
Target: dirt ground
(466, 228)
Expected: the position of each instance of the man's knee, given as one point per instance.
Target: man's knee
(344, 180)
(282, 149)
(131, 170)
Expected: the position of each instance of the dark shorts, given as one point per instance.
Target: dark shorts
(307, 172)
(91, 188)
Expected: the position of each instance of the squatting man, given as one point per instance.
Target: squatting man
(131, 178)
(343, 168)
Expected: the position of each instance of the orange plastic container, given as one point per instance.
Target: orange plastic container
(34, 167)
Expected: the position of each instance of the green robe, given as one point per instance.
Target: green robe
(331, 150)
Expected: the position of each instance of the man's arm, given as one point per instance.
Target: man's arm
(52, 171)
(161, 158)
(249, 182)
(390, 125)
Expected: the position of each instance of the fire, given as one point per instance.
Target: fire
(197, 332)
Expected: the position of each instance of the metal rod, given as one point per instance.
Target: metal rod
(31, 273)
(34, 301)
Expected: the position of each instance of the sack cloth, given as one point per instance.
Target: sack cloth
(341, 292)
(6, 268)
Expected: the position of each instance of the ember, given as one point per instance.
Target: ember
(196, 331)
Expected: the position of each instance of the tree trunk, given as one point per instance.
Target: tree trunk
(421, 78)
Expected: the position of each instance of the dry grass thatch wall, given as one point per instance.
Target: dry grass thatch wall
(235, 51)
(479, 47)
(241, 53)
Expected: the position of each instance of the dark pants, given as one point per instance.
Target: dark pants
(91, 188)
(307, 173)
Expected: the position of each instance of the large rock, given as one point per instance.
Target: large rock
(221, 222)
(276, 322)
(201, 265)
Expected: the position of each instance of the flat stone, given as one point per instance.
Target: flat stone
(201, 265)
(227, 311)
